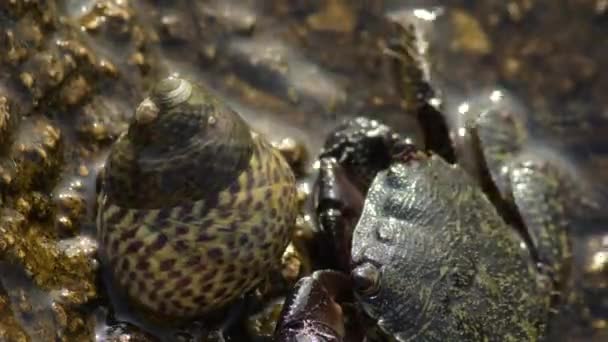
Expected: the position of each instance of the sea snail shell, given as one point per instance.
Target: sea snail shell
(194, 208)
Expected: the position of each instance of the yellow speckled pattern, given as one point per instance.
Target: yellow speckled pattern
(187, 260)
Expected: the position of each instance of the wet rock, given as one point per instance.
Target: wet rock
(336, 16)
(114, 17)
(35, 153)
(291, 262)
(234, 16)
(277, 68)
(121, 331)
(35, 205)
(75, 91)
(471, 37)
(21, 37)
(261, 326)
(5, 119)
(44, 72)
(52, 266)
(112, 23)
(295, 153)
(10, 330)
(102, 119)
(557, 75)
(595, 274)
(86, 67)
(37, 314)
(70, 211)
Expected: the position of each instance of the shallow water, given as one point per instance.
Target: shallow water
(298, 70)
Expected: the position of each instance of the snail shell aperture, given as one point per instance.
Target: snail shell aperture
(194, 208)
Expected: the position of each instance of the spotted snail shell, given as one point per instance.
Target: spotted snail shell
(194, 208)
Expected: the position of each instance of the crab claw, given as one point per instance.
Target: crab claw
(313, 312)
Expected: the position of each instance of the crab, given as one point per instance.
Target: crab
(435, 250)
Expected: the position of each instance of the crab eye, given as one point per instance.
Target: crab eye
(366, 279)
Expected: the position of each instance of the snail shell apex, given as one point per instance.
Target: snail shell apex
(194, 207)
(180, 149)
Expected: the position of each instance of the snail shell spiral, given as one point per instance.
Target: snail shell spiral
(194, 207)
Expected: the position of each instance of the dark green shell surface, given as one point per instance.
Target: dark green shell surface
(196, 147)
(450, 268)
